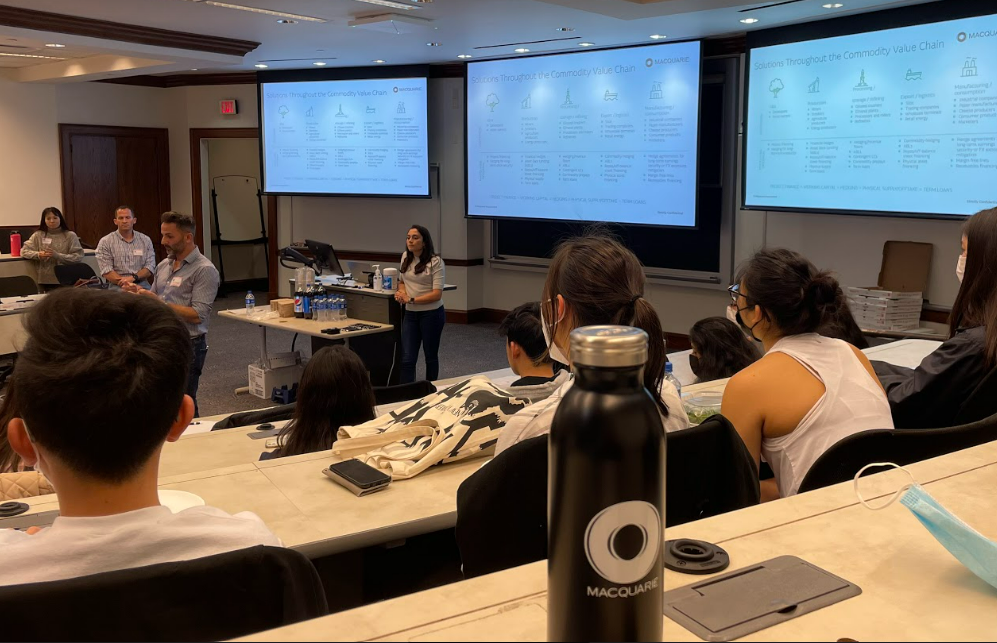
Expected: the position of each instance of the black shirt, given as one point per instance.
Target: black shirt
(533, 380)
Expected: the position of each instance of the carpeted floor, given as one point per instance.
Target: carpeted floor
(232, 346)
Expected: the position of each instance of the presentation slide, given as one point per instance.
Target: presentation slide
(895, 121)
(358, 137)
(597, 136)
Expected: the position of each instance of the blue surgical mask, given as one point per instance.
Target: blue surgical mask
(970, 547)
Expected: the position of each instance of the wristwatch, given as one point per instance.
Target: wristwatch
(411, 300)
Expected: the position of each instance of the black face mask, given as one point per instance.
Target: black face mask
(750, 330)
(694, 364)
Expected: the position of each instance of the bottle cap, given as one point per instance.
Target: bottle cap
(610, 346)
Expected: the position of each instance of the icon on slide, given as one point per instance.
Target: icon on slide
(283, 111)
(969, 69)
(492, 100)
(401, 107)
(526, 103)
(912, 75)
(340, 113)
(814, 87)
(567, 100)
(862, 82)
(371, 110)
(310, 112)
(656, 92)
(961, 37)
(776, 86)
(610, 96)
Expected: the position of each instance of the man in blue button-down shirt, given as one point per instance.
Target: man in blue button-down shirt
(126, 255)
(188, 282)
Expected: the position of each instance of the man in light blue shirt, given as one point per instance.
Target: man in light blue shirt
(126, 255)
(187, 282)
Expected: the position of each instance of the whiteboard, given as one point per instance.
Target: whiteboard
(238, 207)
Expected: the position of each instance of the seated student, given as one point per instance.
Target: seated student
(9, 460)
(334, 391)
(526, 349)
(107, 373)
(807, 392)
(719, 349)
(593, 280)
(931, 395)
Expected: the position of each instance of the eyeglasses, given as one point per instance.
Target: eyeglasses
(735, 292)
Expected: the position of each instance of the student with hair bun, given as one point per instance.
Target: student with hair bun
(808, 391)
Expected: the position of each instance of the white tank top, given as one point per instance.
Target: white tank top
(852, 402)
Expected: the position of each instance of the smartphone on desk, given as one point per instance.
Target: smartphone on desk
(360, 478)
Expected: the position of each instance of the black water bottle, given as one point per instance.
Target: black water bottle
(606, 495)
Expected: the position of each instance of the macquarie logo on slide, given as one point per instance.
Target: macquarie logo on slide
(651, 62)
(408, 89)
(988, 33)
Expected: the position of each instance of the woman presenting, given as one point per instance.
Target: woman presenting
(421, 292)
(54, 243)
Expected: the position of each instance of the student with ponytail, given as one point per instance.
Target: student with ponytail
(595, 280)
(808, 391)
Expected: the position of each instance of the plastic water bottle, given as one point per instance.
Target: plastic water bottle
(670, 377)
(342, 308)
(319, 308)
(250, 304)
(607, 495)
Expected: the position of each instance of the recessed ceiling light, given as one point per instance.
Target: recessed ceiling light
(522, 50)
(465, 56)
(749, 21)
(266, 12)
(378, 61)
(285, 21)
(55, 45)
(833, 5)
(433, 44)
(565, 28)
(261, 65)
(658, 36)
(319, 63)
(389, 3)
(194, 69)
(586, 44)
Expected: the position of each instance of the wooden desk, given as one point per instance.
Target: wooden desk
(912, 588)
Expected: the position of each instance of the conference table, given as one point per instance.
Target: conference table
(912, 588)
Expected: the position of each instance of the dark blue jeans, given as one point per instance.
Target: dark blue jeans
(194, 376)
(426, 328)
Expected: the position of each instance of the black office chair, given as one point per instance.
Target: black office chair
(403, 392)
(69, 273)
(206, 599)
(981, 403)
(842, 461)
(248, 418)
(17, 286)
(502, 509)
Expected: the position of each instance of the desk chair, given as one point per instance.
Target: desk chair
(981, 403)
(69, 273)
(502, 509)
(403, 392)
(17, 286)
(207, 599)
(842, 461)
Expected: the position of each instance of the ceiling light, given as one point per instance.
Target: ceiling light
(658, 36)
(261, 65)
(267, 12)
(389, 3)
(285, 21)
(522, 50)
(30, 56)
(586, 44)
(833, 5)
(55, 45)
(433, 44)
(749, 21)
(378, 61)
(565, 28)
(319, 63)
(194, 69)
(465, 56)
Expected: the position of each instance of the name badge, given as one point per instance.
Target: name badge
(138, 253)
(176, 281)
(46, 241)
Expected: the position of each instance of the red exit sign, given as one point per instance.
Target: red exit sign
(229, 106)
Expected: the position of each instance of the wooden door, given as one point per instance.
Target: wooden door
(104, 167)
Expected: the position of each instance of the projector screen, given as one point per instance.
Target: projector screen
(606, 135)
(345, 137)
(900, 121)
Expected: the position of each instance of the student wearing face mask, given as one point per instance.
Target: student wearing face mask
(808, 391)
(595, 280)
(932, 395)
(719, 349)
